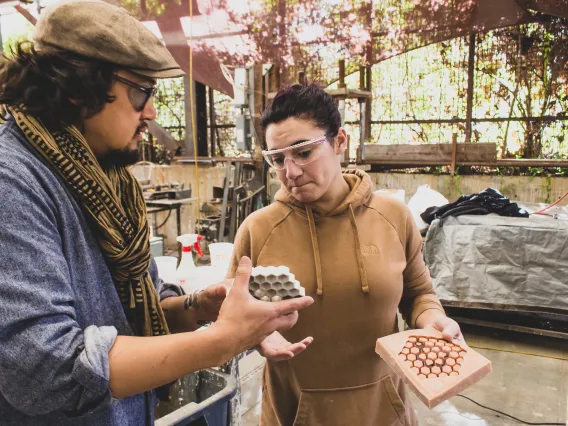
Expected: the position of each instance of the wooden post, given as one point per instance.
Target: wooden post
(235, 201)
(362, 117)
(256, 101)
(221, 237)
(201, 118)
(470, 84)
(212, 121)
(369, 101)
(341, 83)
(275, 80)
(188, 143)
(454, 152)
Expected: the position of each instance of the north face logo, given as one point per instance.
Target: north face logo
(370, 250)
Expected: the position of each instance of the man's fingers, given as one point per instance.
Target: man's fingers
(285, 322)
(221, 290)
(308, 341)
(242, 275)
(288, 306)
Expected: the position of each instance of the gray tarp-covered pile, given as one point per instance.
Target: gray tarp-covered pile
(493, 260)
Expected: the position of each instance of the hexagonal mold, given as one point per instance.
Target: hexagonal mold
(288, 285)
(441, 376)
(274, 282)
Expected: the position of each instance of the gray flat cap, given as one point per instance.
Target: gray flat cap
(99, 30)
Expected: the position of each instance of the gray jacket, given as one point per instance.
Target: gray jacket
(59, 310)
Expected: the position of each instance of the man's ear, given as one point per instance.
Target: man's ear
(341, 141)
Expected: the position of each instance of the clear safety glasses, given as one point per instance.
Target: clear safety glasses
(300, 154)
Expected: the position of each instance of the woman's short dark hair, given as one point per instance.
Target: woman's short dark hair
(307, 102)
(54, 85)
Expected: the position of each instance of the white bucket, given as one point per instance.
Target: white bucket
(221, 255)
(208, 275)
(397, 194)
(167, 266)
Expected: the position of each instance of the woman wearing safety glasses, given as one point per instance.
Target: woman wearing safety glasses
(358, 254)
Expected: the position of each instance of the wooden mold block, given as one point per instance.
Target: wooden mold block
(434, 368)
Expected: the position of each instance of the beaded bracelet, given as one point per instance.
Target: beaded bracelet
(192, 301)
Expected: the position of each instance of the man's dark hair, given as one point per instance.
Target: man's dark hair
(307, 102)
(54, 85)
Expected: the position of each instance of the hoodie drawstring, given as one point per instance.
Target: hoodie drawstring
(360, 261)
(315, 249)
(358, 253)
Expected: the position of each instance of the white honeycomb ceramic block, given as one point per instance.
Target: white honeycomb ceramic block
(274, 283)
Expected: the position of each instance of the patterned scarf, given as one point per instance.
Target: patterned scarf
(112, 200)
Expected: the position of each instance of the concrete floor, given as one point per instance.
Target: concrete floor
(529, 381)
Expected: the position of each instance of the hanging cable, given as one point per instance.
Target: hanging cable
(193, 130)
(508, 415)
(541, 211)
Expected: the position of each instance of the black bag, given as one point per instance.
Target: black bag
(487, 201)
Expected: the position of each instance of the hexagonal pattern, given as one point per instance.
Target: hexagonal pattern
(274, 283)
(431, 358)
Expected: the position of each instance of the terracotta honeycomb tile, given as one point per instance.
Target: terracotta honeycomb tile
(434, 368)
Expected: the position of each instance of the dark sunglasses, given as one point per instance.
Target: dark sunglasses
(139, 97)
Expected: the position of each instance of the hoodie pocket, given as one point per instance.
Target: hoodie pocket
(374, 404)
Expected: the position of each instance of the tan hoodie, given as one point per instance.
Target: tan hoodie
(360, 262)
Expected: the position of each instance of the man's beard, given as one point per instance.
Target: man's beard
(119, 158)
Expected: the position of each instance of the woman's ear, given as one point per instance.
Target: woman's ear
(341, 141)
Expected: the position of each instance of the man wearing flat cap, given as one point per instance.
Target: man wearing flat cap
(87, 329)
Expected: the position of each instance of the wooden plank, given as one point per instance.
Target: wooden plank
(185, 159)
(511, 327)
(528, 162)
(441, 153)
(504, 307)
(401, 164)
(341, 92)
